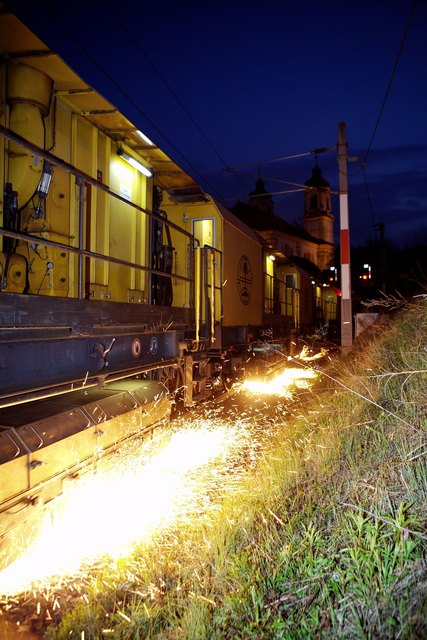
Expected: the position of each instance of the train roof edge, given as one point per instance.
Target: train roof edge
(20, 44)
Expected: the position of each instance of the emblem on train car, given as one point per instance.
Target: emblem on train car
(244, 279)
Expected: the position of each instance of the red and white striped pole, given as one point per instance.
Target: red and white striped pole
(346, 310)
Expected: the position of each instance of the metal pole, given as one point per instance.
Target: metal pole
(81, 186)
(346, 310)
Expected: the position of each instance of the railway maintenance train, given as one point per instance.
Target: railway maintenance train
(121, 282)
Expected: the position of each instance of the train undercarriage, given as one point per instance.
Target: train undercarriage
(76, 389)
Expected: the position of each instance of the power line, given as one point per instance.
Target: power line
(390, 82)
(124, 93)
(313, 152)
(270, 193)
(169, 88)
(301, 187)
(165, 82)
(252, 175)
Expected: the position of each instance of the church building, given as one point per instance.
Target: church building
(318, 220)
(299, 259)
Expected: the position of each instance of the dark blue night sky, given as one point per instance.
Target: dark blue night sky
(240, 83)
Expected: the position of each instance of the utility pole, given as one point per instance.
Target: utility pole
(346, 309)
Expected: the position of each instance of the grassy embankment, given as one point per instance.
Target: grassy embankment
(327, 537)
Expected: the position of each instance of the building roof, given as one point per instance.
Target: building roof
(263, 221)
(236, 221)
(307, 265)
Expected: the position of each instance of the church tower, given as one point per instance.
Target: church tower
(260, 198)
(318, 220)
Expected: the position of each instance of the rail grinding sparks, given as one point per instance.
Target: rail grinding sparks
(109, 512)
(281, 385)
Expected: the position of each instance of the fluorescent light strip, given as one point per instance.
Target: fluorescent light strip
(145, 138)
(135, 163)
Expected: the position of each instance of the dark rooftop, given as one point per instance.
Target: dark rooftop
(263, 221)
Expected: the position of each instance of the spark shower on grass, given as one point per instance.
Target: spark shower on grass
(111, 511)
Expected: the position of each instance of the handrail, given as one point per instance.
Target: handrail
(212, 336)
(51, 158)
(26, 237)
(197, 285)
(82, 179)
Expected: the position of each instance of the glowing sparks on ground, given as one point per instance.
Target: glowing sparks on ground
(144, 492)
(281, 385)
(307, 355)
(108, 512)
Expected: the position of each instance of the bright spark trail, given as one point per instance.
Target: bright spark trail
(108, 512)
(282, 384)
(144, 493)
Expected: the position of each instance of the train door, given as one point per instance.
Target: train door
(203, 229)
(208, 265)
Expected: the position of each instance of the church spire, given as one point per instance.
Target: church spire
(260, 198)
(318, 219)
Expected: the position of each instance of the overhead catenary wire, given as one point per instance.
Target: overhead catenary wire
(270, 193)
(253, 175)
(163, 79)
(277, 193)
(362, 164)
(190, 116)
(390, 82)
(168, 87)
(119, 87)
(301, 187)
(313, 152)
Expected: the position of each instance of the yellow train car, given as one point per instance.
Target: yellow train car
(94, 309)
(122, 284)
(86, 262)
(232, 257)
